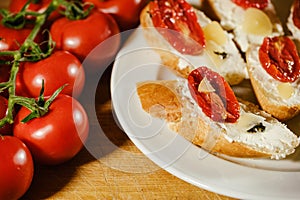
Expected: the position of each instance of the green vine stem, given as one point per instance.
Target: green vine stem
(30, 51)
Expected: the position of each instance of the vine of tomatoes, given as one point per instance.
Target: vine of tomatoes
(41, 76)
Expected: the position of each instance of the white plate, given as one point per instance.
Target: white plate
(239, 178)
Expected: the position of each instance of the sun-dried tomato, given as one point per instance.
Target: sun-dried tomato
(296, 13)
(176, 21)
(259, 4)
(279, 57)
(221, 104)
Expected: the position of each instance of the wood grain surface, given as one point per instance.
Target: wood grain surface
(120, 171)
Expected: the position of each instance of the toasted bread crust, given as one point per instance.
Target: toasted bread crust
(196, 130)
(280, 111)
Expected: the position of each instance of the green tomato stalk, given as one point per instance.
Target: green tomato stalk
(30, 51)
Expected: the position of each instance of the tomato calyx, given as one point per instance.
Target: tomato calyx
(279, 57)
(216, 99)
(75, 10)
(259, 4)
(177, 22)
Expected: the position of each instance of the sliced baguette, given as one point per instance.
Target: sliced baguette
(232, 18)
(232, 68)
(295, 31)
(282, 100)
(170, 100)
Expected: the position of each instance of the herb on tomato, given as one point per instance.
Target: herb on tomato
(279, 57)
(177, 22)
(219, 102)
(259, 4)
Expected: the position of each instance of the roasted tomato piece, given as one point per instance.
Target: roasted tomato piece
(259, 4)
(279, 57)
(177, 23)
(296, 13)
(216, 98)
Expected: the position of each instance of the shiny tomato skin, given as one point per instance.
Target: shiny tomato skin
(80, 37)
(177, 22)
(220, 105)
(16, 168)
(57, 136)
(125, 12)
(279, 57)
(60, 68)
(12, 39)
(259, 4)
(6, 129)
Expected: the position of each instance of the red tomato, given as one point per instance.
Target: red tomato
(125, 12)
(296, 13)
(37, 6)
(6, 129)
(12, 39)
(16, 168)
(60, 68)
(80, 37)
(221, 104)
(279, 57)
(260, 4)
(175, 20)
(57, 136)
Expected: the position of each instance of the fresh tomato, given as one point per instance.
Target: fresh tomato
(36, 5)
(220, 103)
(296, 13)
(177, 21)
(80, 37)
(6, 129)
(12, 39)
(57, 136)
(125, 12)
(16, 168)
(279, 57)
(259, 4)
(60, 68)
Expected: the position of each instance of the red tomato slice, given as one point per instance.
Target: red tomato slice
(220, 105)
(279, 57)
(296, 13)
(260, 4)
(177, 22)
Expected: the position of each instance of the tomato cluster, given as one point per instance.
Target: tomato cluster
(43, 44)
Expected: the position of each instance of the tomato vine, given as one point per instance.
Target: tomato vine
(30, 51)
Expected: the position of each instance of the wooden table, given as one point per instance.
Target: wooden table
(122, 172)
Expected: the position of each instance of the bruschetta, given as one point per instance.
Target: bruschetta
(293, 22)
(249, 21)
(204, 110)
(185, 37)
(274, 70)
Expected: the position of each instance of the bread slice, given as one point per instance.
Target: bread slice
(171, 101)
(247, 30)
(295, 31)
(222, 57)
(282, 100)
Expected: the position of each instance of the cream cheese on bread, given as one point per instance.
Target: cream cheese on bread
(232, 19)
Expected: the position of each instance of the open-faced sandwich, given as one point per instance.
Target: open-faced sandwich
(250, 21)
(184, 37)
(274, 71)
(293, 22)
(205, 110)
